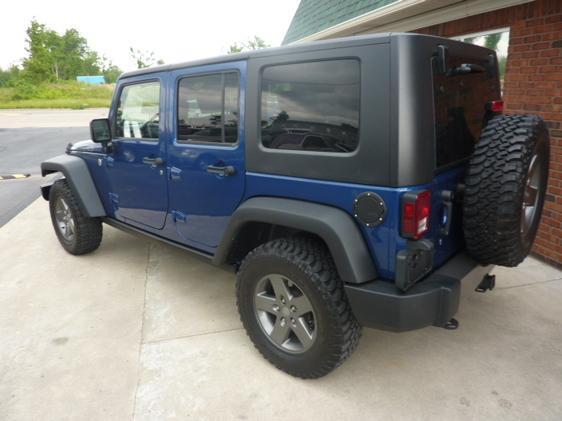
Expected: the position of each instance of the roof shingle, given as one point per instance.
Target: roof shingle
(316, 15)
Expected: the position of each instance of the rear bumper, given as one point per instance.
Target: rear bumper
(433, 301)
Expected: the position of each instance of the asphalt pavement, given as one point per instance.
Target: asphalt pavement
(27, 137)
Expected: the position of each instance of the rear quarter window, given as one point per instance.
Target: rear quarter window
(312, 106)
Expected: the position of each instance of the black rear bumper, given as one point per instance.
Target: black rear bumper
(433, 301)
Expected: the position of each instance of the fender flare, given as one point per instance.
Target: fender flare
(76, 172)
(342, 236)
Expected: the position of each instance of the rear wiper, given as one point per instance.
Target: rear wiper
(466, 68)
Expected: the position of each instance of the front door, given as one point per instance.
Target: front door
(136, 167)
(206, 155)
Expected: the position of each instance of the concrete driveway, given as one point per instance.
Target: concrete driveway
(140, 330)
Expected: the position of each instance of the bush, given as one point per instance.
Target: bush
(23, 90)
(64, 94)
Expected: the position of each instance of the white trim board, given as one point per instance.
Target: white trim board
(481, 33)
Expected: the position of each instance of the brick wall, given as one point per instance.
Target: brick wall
(533, 84)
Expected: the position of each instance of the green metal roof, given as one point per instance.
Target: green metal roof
(316, 15)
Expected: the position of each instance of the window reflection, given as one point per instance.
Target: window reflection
(208, 108)
(138, 112)
(311, 106)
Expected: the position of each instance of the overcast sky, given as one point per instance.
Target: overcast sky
(175, 30)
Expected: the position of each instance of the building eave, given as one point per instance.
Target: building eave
(409, 15)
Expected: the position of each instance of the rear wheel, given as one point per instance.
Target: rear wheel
(293, 307)
(77, 233)
(505, 189)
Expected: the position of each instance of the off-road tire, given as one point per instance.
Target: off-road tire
(309, 265)
(88, 231)
(495, 188)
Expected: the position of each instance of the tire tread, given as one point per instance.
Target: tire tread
(494, 187)
(89, 231)
(315, 261)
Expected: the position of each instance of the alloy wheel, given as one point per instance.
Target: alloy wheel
(64, 219)
(285, 314)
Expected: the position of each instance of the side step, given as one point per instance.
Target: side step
(488, 283)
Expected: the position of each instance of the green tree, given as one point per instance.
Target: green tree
(144, 58)
(255, 43)
(75, 57)
(38, 64)
(10, 76)
(55, 57)
(110, 71)
(491, 41)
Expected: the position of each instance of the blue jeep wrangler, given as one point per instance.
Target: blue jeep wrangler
(351, 182)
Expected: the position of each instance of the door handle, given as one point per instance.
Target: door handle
(222, 170)
(155, 162)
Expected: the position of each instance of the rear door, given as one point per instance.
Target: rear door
(206, 153)
(462, 97)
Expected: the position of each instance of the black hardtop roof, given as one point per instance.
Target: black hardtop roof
(266, 52)
(304, 47)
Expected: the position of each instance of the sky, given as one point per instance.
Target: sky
(175, 30)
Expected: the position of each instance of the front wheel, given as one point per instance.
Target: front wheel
(293, 307)
(77, 233)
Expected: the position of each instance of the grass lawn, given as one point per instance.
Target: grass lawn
(75, 95)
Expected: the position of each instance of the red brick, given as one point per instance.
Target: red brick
(541, 46)
(520, 48)
(550, 53)
(530, 54)
(550, 36)
(539, 61)
(533, 83)
(532, 38)
(553, 19)
(534, 22)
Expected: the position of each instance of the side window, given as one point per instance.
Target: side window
(208, 108)
(138, 112)
(311, 106)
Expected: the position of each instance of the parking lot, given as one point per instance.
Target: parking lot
(27, 137)
(140, 330)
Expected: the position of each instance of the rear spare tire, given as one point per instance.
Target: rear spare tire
(505, 189)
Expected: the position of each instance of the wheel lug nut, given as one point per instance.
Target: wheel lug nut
(293, 309)
(292, 321)
(282, 321)
(283, 300)
(275, 307)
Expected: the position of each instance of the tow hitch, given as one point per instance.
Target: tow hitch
(487, 283)
(452, 324)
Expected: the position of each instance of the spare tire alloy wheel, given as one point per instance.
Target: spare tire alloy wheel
(505, 189)
(533, 185)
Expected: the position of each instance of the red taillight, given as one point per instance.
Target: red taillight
(416, 211)
(496, 106)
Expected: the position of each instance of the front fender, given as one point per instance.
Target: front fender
(76, 172)
(337, 229)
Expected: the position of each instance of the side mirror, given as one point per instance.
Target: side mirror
(100, 131)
